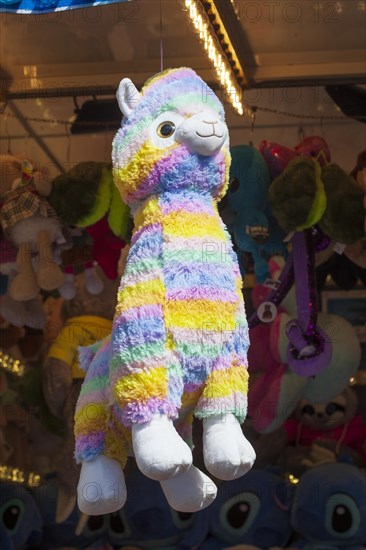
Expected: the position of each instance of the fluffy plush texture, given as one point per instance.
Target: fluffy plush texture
(329, 509)
(253, 226)
(293, 195)
(306, 194)
(344, 217)
(98, 207)
(278, 156)
(20, 519)
(29, 222)
(80, 322)
(179, 340)
(147, 521)
(333, 426)
(253, 511)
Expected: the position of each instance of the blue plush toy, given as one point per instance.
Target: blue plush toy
(77, 531)
(253, 510)
(254, 228)
(147, 521)
(329, 509)
(20, 520)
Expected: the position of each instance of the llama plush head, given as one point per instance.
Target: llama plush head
(173, 138)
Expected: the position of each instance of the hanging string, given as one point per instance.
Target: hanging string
(252, 126)
(301, 133)
(161, 38)
(322, 128)
(68, 148)
(7, 134)
(26, 137)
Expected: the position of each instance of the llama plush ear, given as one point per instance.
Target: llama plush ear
(127, 96)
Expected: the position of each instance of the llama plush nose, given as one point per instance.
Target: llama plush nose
(202, 133)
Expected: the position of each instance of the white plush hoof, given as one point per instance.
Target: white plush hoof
(190, 492)
(227, 453)
(159, 450)
(101, 488)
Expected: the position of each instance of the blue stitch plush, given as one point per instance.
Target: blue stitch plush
(253, 510)
(76, 531)
(329, 509)
(20, 520)
(147, 521)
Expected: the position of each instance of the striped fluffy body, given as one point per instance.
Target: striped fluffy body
(179, 339)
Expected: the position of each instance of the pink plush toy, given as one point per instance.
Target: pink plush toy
(277, 388)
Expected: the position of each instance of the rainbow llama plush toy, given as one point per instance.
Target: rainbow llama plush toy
(179, 340)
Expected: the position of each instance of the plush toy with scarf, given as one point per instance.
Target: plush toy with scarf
(179, 340)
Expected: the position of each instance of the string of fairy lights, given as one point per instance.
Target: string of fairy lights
(254, 109)
(9, 473)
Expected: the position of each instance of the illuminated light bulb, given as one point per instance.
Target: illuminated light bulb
(222, 67)
(294, 480)
(13, 366)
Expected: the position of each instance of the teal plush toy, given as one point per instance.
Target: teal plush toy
(254, 229)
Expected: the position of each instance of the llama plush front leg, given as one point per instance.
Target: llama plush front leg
(145, 374)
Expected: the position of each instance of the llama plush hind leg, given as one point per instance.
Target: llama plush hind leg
(100, 445)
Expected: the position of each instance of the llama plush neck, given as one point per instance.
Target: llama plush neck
(167, 142)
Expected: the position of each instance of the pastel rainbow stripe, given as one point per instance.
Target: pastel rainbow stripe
(180, 325)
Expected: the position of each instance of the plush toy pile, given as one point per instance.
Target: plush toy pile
(123, 372)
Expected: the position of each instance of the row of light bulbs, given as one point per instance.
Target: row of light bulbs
(210, 43)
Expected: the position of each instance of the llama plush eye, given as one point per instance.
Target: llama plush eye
(165, 129)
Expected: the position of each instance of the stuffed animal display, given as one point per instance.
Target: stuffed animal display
(179, 341)
(86, 197)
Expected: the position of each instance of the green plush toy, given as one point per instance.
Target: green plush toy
(85, 194)
(306, 194)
